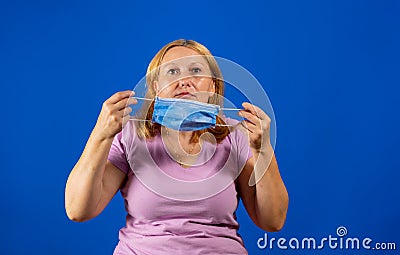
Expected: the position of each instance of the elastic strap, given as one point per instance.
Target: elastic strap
(143, 98)
(230, 109)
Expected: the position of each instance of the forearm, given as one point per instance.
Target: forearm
(84, 186)
(271, 201)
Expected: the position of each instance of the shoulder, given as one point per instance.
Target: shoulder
(236, 130)
(230, 121)
(128, 132)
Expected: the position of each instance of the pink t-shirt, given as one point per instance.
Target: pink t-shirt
(176, 210)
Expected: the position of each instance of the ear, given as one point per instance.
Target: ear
(155, 87)
(212, 88)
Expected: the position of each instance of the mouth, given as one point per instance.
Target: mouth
(184, 95)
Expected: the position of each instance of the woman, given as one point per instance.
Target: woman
(163, 218)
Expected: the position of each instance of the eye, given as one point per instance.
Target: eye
(173, 71)
(196, 70)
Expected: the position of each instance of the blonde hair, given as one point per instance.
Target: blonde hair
(147, 129)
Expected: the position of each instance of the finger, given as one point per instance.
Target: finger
(120, 95)
(125, 102)
(131, 101)
(257, 111)
(251, 127)
(250, 108)
(126, 111)
(246, 124)
(250, 116)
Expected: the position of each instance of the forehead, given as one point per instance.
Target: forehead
(183, 53)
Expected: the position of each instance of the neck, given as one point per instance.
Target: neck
(184, 136)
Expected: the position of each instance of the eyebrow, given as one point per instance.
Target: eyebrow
(175, 64)
(196, 62)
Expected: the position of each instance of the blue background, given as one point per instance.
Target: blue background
(330, 68)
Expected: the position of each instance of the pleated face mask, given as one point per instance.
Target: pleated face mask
(185, 115)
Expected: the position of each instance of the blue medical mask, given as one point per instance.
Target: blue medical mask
(185, 115)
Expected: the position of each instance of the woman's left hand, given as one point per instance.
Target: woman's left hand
(257, 123)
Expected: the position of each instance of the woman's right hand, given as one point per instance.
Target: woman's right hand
(114, 114)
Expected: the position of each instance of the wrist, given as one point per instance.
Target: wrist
(100, 136)
(263, 150)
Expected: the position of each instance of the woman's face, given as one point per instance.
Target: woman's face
(184, 73)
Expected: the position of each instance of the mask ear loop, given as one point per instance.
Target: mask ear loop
(226, 125)
(140, 98)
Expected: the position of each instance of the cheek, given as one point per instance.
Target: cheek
(205, 84)
(164, 84)
(165, 91)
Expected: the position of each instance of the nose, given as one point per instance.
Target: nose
(185, 83)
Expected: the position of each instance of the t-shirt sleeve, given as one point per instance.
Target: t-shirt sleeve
(243, 147)
(117, 154)
(241, 141)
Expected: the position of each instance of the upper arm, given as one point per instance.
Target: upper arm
(246, 192)
(271, 214)
(113, 179)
